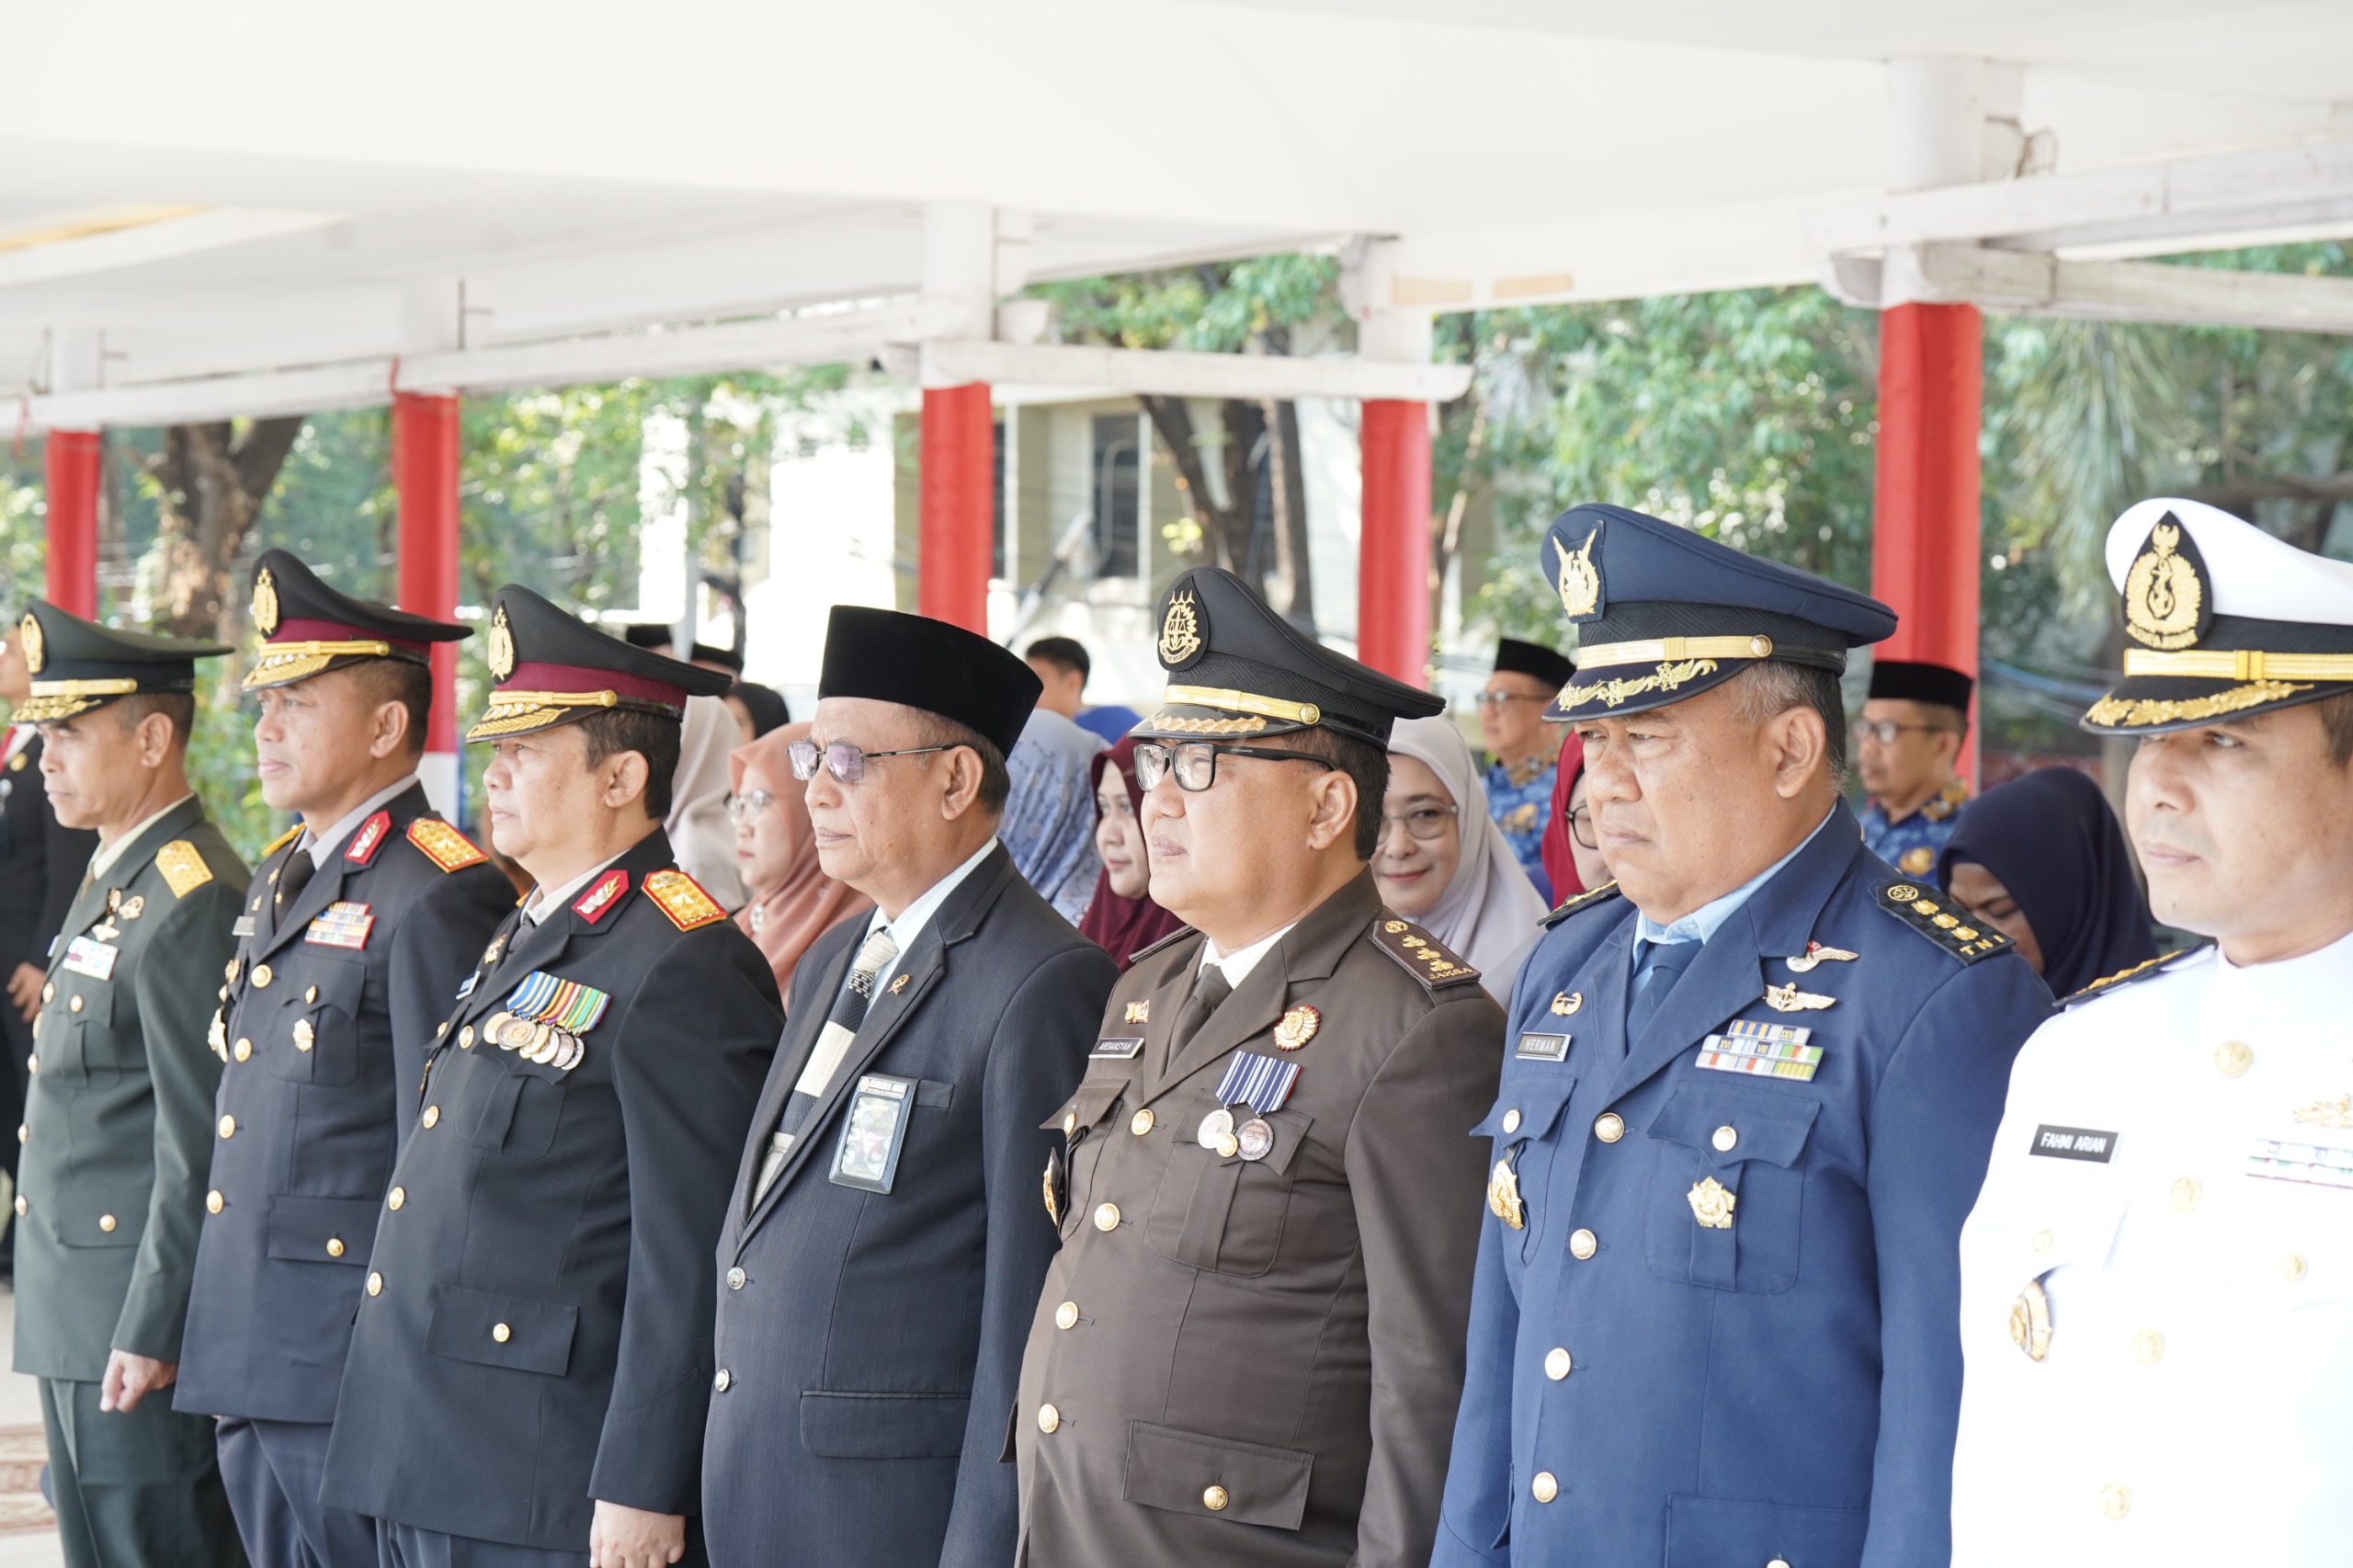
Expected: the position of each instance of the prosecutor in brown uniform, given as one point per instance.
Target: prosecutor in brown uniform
(1250, 1347)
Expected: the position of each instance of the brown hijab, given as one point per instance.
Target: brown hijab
(788, 917)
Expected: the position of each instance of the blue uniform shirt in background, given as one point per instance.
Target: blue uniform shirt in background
(1517, 799)
(1910, 844)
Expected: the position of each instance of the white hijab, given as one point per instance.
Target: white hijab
(1488, 912)
(701, 836)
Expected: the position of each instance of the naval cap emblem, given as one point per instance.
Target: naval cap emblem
(2165, 600)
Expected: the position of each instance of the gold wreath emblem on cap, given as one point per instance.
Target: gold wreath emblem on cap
(1180, 630)
(1298, 1027)
(2162, 594)
(28, 637)
(266, 603)
(502, 647)
(1580, 579)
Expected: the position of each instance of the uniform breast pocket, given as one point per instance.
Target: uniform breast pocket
(317, 1024)
(1521, 1122)
(1223, 1212)
(507, 1110)
(80, 1051)
(1727, 1193)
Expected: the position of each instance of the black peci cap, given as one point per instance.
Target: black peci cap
(1237, 668)
(1516, 657)
(553, 668)
(78, 665)
(649, 634)
(1663, 613)
(727, 659)
(917, 662)
(308, 628)
(1904, 680)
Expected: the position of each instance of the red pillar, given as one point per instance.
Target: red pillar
(1394, 557)
(958, 506)
(424, 476)
(1926, 552)
(72, 461)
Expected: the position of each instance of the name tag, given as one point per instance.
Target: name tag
(1543, 1047)
(93, 958)
(2074, 1143)
(244, 927)
(342, 924)
(1120, 1049)
(873, 1131)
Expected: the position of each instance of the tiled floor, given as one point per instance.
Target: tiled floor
(20, 1450)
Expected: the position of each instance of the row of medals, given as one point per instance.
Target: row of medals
(1253, 1139)
(541, 1044)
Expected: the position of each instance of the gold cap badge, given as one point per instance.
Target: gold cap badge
(2165, 601)
(501, 652)
(1181, 631)
(266, 603)
(28, 637)
(1580, 578)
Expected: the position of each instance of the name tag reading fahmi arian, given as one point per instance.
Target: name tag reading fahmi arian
(2074, 1143)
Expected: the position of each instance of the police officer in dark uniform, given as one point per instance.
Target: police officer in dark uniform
(118, 1112)
(364, 920)
(531, 1362)
(1249, 1348)
(1748, 1099)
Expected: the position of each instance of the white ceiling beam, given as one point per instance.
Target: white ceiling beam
(2015, 283)
(135, 244)
(1171, 373)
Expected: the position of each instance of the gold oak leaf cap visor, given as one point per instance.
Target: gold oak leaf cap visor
(77, 665)
(308, 628)
(2222, 621)
(1663, 613)
(551, 667)
(1237, 671)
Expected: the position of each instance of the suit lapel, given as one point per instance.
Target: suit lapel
(91, 902)
(800, 1032)
(292, 919)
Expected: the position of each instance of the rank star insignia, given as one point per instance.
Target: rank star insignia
(1140, 1011)
(1711, 1204)
(1815, 953)
(1503, 1197)
(1298, 1027)
(1790, 999)
(1568, 1002)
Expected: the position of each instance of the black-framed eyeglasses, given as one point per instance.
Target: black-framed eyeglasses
(1423, 823)
(1195, 762)
(1884, 731)
(750, 807)
(1580, 821)
(843, 760)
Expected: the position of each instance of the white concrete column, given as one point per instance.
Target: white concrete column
(1951, 121)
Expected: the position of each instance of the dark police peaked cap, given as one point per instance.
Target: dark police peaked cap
(308, 628)
(1906, 680)
(78, 665)
(917, 662)
(2225, 621)
(1663, 613)
(552, 668)
(1237, 668)
(1516, 657)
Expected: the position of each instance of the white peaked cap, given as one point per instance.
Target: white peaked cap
(2252, 573)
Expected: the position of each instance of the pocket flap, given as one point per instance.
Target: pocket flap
(1769, 1127)
(340, 983)
(323, 1230)
(1216, 1478)
(493, 1330)
(1707, 1532)
(1291, 1131)
(1537, 1098)
(1085, 1108)
(884, 1426)
(95, 1218)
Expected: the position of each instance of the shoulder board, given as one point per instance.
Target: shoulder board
(183, 867)
(1425, 957)
(2124, 977)
(1170, 941)
(281, 841)
(1602, 894)
(370, 838)
(1924, 910)
(682, 899)
(444, 845)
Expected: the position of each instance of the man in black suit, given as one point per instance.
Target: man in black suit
(532, 1361)
(883, 1248)
(363, 920)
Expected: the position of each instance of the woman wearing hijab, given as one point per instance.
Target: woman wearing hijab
(1048, 822)
(1444, 862)
(1122, 920)
(2042, 860)
(757, 709)
(792, 902)
(700, 834)
(1572, 865)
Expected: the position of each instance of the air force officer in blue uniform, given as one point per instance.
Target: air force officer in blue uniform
(1746, 1104)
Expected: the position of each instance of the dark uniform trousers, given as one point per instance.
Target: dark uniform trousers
(349, 961)
(118, 1115)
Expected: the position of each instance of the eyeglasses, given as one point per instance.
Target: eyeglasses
(1580, 822)
(1497, 699)
(1884, 731)
(751, 808)
(843, 760)
(1195, 762)
(1424, 823)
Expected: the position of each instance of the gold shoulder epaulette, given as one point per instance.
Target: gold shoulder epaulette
(682, 899)
(1171, 939)
(444, 845)
(281, 841)
(2124, 977)
(183, 867)
(1424, 955)
(1599, 896)
(1924, 910)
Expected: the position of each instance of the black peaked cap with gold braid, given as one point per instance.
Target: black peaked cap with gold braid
(77, 665)
(308, 628)
(1236, 670)
(551, 667)
(2222, 621)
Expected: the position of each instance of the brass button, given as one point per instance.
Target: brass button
(229, 972)
(2148, 1346)
(2291, 1266)
(24, 1131)
(397, 1196)
(1583, 1244)
(466, 1038)
(1557, 1364)
(1141, 1123)
(2044, 1241)
(262, 976)
(1726, 1139)
(74, 1004)
(432, 1116)
(1778, 1563)
(375, 1284)
(1070, 1122)
(1511, 1119)
(2232, 1058)
(1610, 1127)
(23, 1203)
(243, 1050)
(1048, 1418)
(2115, 1500)
(228, 1126)
(106, 1223)
(32, 1063)
(1106, 1217)
(212, 1201)
(309, 995)
(440, 1029)
(501, 1333)
(722, 1379)
(1544, 1488)
(49, 991)
(335, 1246)
(2185, 1193)
(1214, 1499)
(1066, 1315)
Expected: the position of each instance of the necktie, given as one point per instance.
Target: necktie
(293, 876)
(1662, 967)
(1210, 988)
(825, 1057)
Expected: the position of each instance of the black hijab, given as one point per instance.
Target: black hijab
(766, 707)
(2050, 838)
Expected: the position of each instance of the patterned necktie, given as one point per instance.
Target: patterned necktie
(1662, 967)
(825, 1057)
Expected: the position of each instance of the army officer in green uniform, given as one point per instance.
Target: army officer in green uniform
(118, 1103)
